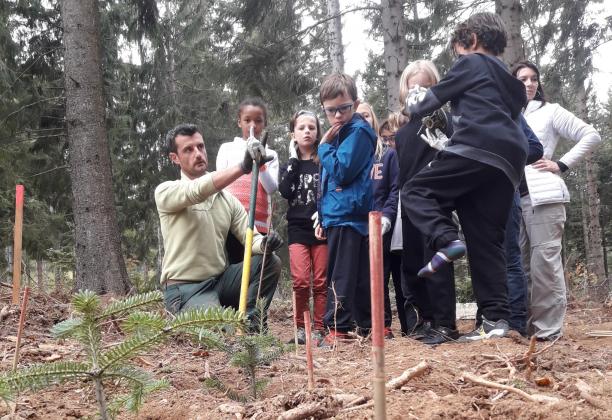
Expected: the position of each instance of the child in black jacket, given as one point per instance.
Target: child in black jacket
(479, 169)
(429, 304)
(299, 184)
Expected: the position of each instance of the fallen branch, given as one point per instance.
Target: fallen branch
(303, 411)
(530, 397)
(357, 407)
(394, 383)
(358, 401)
(529, 354)
(303, 359)
(585, 393)
(543, 349)
(413, 372)
(600, 333)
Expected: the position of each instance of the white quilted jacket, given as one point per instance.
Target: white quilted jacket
(550, 123)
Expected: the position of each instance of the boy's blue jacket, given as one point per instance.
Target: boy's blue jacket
(346, 187)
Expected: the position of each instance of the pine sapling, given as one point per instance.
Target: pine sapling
(145, 330)
(249, 352)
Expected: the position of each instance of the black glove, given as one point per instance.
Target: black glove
(273, 242)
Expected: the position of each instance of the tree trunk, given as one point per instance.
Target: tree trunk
(39, 275)
(145, 274)
(57, 274)
(395, 52)
(593, 246)
(334, 27)
(99, 263)
(511, 13)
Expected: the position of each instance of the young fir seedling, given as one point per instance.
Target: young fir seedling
(249, 352)
(144, 329)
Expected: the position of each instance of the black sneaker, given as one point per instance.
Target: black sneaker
(421, 331)
(440, 335)
(487, 329)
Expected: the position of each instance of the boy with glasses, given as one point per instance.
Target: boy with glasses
(346, 153)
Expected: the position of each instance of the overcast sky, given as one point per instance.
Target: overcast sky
(358, 42)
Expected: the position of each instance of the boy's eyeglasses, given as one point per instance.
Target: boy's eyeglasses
(342, 109)
(388, 139)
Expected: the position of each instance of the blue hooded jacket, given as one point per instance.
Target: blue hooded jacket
(346, 187)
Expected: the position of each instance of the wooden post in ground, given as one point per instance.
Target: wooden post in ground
(309, 350)
(17, 236)
(24, 307)
(295, 328)
(377, 300)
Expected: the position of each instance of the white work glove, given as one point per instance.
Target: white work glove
(315, 218)
(293, 149)
(415, 95)
(257, 151)
(385, 224)
(437, 141)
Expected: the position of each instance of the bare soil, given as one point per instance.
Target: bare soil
(575, 361)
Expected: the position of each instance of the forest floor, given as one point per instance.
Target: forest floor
(576, 370)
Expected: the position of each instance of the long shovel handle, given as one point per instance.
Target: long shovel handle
(248, 240)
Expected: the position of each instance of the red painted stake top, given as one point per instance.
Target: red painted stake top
(376, 279)
(19, 194)
(17, 242)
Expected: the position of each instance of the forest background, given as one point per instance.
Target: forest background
(90, 217)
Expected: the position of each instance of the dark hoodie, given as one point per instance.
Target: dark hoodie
(384, 183)
(486, 101)
(346, 187)
(413, 152)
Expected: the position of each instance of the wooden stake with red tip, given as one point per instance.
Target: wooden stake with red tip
(295, 318)
(309, 350)
(376, 293)
(17, 235)
(24, 307)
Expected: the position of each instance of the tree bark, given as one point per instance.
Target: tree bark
(395, 53)
(592, 227)
(40, 280)
(57, 274)
(511, 13)
(334, 27)
(99, 263)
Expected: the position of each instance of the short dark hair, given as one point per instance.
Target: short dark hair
(489, 29)
(179, 130)
(337, 84)
(539, 96)
(256, 102)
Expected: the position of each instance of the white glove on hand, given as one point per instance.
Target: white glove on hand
(293, 149)
(256, 150)
(385, 224)
(437, 141)
(315, 219)
(415, 95)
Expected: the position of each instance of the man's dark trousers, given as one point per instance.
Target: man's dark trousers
(224, 290)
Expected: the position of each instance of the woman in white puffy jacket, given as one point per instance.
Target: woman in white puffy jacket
(542, 202)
